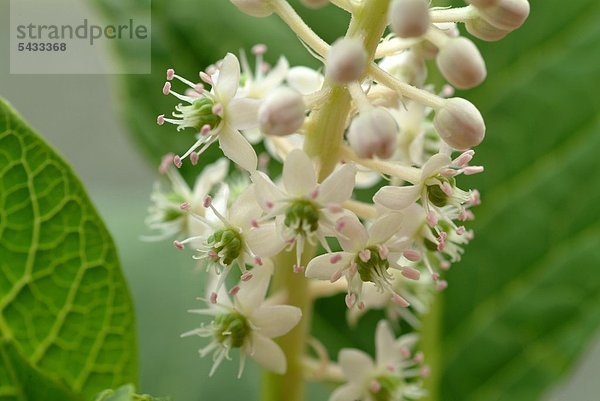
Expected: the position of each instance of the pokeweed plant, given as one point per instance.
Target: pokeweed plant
(370, 120)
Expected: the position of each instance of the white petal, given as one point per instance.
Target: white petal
(276, 320)
(242, 113)
(267, 353)
(211, 175)
(267, 193)
(275, 76)
(321, 267)
(397, 198)
(229, 79)
(352, 234)
(384, 227)
(355, 364)
(385, 344)
(299, 176)
(434, 164)
(347, 392)
(338, 187)
(304, 80)
(237, 148)
(245, 209)
(265, 240)
(252, 292)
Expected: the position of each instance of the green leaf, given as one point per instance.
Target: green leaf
(525, 302)
(189, 36)
(28, 383)
(64, 304)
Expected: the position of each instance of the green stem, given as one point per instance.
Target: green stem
(431, 347)
(325, 130)
(324, 139)
(290, 386)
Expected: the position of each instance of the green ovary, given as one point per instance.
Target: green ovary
(389, 388)
(233, 328)
(302, 216)
(227, 243)
(200, 113)
(367, 270)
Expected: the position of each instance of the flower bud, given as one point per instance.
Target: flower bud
(483, 30)
(410, 18)
(314, 3)
(282, 112)
(483, 3)
(346, 61)
(373, 133)
(255, 8)
(507, 14)
(461, 63)
(459, 124)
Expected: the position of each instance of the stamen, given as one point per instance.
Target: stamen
(194, 157)
(160, 120)
(167, 88)
(213, 297)
(412, 255)
(411, 274)
(170, 74)
(177, 161)
(179, 245)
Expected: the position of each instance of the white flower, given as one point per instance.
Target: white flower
(419, 293)
(305, 80)
(249, 323)
(437, 190)
(393, 376)
(170, 211)
(232, 236)
(304, 210)
(217, 115)
(259, 83)
(366, 257)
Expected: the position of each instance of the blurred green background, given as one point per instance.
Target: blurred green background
(522, 305)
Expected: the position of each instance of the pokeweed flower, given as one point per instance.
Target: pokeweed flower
(217, 115)
(394, 375)
(282, 113)
(366, 257)
(373, 133)
(169, 213)
(459, 123)
(255, 8)
(247, 322)
(305, 80)
(231, 236)
(419, 293)
(304, 210)
(259, 83)
(441, 199)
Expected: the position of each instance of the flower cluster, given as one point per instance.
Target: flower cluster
(370, 120)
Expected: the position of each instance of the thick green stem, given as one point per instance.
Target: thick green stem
(290, 386)
(325, 130)
(431, 347)
(324, 139)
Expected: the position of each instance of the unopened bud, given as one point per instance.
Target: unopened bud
(459, 124)
(409, 18)
(461, 63)
(506, 14)
(282, 112)
(483, 30)
(373, 133)
(314, 3)
(346, 61)
(255, 8)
